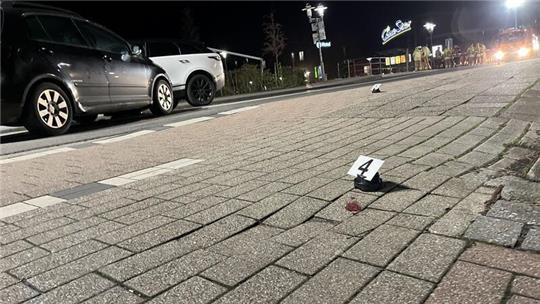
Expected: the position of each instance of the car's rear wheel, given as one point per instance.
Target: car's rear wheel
(200, 90)
(48, 111)
(163, 102)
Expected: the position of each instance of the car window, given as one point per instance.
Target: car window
(102, 39)
(60, 29)
(187, 48)
(34, 28)
(156, 49)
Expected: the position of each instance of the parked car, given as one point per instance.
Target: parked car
(58, 67)
(195, 71)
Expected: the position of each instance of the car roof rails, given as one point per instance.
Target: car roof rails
(24, 4)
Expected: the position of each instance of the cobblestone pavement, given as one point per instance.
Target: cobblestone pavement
(250, 207)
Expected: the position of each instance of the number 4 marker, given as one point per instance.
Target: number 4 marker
(365, 167)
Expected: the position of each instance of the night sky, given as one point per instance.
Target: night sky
(354, 28)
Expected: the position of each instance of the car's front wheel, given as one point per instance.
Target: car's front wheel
(48, 111)
(163, 102)
(200, 90)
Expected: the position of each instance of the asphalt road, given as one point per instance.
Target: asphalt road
(20, 141)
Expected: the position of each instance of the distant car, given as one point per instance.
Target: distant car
(58, 67)
(195, 71)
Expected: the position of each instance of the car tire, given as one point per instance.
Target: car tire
(48, 111)
(200, 90)
(163, 101)
(86, 120)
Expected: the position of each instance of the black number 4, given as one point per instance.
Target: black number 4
(365, 167)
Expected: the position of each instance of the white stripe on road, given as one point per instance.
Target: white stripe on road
(13, 133)
(34, 155)
(123, 137)
(188, 122)
(15, 209)
(149, 172)
(31, 204)
(45, 201)
(238, 110)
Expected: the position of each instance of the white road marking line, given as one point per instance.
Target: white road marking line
(13, 133)
(253, 100)
(14, 209)
(44, 201)
(34, 155)
(184, 162)
(238, 110)
(188, 122)
(117, 181)
(123, 137)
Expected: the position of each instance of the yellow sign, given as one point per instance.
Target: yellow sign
(403, 60)
(387, 60)
(398, 59)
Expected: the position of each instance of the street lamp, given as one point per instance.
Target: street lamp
(430, 27)
(318, 24)
(513, 5)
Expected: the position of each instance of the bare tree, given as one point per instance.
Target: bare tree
(188, 30)
(274, 40)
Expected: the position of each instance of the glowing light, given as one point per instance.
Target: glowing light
(514, 3)
(430, 26)
(523, 52)
(499, 55)
(320, 9)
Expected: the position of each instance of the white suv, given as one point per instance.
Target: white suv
(195, 71)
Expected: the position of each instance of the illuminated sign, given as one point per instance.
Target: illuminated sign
(323, 44)
(389, 34)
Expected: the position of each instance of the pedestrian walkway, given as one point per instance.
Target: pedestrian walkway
(250, 207)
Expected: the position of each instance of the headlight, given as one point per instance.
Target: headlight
(499, 55)
(523, 52)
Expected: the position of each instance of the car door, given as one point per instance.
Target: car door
(57, 38)
(128, 75)
(167, 55)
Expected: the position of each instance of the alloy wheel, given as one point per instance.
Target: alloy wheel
(165, 97)
(201, 90)
(52, 108)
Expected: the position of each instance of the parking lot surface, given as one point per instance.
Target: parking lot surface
(249, 205)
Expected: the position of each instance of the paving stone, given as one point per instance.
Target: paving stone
(268, 286)
(391, 288)
(21, 258)
(130, 231)
(196, 290)
(202, 238)
(411, 221)
(408, 170)
(470, 283)
(239, 267)
(159, 235)
(522, 300)
(56, 259)
(364, 221)
(158, 208)
(219, 211)
(492, 230)
(428, 257)
(6, 280)
(336, 210)
(245, 241)
(65, 230)
(532, 240)
(398, 199)
(425, 181)
(81, 236)
(264, 191)
(457, 187)
(516, 188)
(381, 245)
(299, 176)
(515, 211)
(115, 295)
(432, 205)
(26, 232)
(75, 291)
(295, 213)
(300, 234)
(334, 284)
(318, 252)
(241, 189)
(478, 159)
(503, 258)
(131, 208)
(14, 247)
(158, 279)
(454, 223)
(268, 206)
(526, 286)
(195, 206)
(17, 293)
(332, 190)
(67, 272)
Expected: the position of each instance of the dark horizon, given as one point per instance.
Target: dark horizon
(354, 28)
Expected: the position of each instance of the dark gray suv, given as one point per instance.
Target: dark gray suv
(58, 67)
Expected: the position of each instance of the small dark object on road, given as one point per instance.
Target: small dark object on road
(353, 206)
(375, 184)
(376, 88)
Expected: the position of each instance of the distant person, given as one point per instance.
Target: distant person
(459, 57)
(438, 58)
(425, 57)
(417, 57)
(481, 53)
(448, 58)
(471, 55)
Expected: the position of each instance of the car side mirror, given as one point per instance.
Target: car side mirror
(136, 50)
